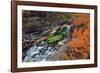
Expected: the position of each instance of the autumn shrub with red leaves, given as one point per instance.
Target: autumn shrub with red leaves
(80, 42)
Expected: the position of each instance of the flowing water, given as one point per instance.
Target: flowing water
(40, 52)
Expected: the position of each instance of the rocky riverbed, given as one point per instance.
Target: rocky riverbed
(50, 48)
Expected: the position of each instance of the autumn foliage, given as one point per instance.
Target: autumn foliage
(79, 46)
(81, 37)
